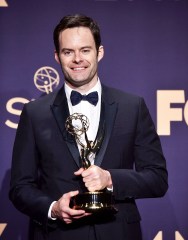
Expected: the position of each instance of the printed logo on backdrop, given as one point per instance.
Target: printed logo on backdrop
(46, 79)
(160, 236)
(171, 107)
(2, 227)
(3, 3)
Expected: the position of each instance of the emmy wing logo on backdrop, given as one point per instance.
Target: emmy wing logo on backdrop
(46, 79)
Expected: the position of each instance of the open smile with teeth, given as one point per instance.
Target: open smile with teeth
(78, 68)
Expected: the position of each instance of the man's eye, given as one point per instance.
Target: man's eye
(85, 51)
(67, 53)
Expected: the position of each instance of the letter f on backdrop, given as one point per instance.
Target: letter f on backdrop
(165, 112)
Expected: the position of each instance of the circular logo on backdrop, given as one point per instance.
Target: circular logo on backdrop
(46, 79)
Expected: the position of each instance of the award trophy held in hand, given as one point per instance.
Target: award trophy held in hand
(77, 125)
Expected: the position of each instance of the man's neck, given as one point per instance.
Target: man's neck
(84, 88)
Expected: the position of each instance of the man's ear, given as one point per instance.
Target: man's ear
(56, 57)
(100, 53)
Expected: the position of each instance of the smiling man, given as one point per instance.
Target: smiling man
(46, 168)
(79, 57)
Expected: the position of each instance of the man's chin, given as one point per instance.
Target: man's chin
(77, 83)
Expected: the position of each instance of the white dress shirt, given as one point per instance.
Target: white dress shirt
(91, 112)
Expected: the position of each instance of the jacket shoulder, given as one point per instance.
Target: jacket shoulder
(121, 96)
(43, 102)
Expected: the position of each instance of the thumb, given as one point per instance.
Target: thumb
(79, 172)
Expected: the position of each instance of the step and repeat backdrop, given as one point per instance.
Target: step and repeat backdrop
(146, 53)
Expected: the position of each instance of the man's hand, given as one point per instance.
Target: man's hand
(95, 178)
(61, 209)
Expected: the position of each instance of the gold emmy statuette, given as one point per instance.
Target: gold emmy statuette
(77, 125)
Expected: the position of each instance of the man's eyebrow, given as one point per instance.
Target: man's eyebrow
(86, 47)
(66, 49)
(70, 49)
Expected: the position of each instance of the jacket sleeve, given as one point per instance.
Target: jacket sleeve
(148, 179)
(25, 191)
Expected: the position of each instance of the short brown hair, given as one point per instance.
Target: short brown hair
(77, 20)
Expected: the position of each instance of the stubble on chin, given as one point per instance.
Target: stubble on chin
(84, 84)
(76, 84)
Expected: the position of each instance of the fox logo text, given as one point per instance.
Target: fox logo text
(171, 107)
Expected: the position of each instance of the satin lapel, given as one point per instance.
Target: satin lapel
(61, 112)
(108, 112)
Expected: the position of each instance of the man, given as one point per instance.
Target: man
(46, 170)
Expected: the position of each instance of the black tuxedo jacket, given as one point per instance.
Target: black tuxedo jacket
(45, 158)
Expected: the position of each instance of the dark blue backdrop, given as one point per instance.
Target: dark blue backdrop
(145, 52)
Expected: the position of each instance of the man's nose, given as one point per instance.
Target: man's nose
(77, 57)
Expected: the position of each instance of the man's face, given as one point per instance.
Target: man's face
(78, 56)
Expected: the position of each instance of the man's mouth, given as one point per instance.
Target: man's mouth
(78, 68)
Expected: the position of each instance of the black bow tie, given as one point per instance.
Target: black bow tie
(77, 97)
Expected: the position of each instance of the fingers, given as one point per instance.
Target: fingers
(96, 178)
(70, 215)
(62, 210)
(70, 194)
(69, 219)
(79, 172)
